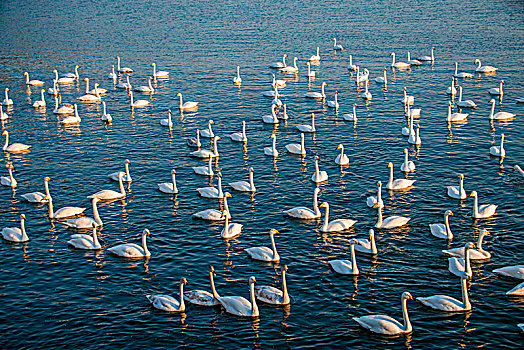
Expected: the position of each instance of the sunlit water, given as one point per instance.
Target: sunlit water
(56, 297)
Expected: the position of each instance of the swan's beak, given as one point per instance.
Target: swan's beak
(410, 297)
(451, 213)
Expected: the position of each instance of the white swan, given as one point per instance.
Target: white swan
(89, 98)
(132, 250)
(14, 147)
(351, 117)
(442, 230)
(124, 86)
(408, 165)
(447, 303)
(213, 214)
(415, 139)
(499, 115)
(497, 91)
(209, 132)
(87, 242)
(458, 192)
(515, 271)
(204, 170)
(412, 62)
(335, 225)
(465, 103)
(367, 246)
(212, 192)
(75, 119)
(407, 99)
(363, 76)
(188, 105)
(244, 186)
(272, 151)
(112, 75)
(451, 90)
(456, 117)
(276, 101)
(271, 119)
(107, 195)
(476, 255)
(398, 65)
(272, 295)
(40, 103)
(64, 109)
(306, 127)
(461, 74)
(333, 104)
(296, 148)
(517, 291)
(390, 222)
(315, 58)
(398, 184)
(204, 153)
(279, 64)
(168, 122)
(230, 230)
(15, 234)
(310, 73)
(387, 325)
(306, 213)
(291, 69)
(459, 266)
(277, 83)
(7, 101)
(319, 176)
(341, 159)
(498, 151)
(317, 95)
(62, 213)
(147, 89)
(9, 180)
(97, 90)
(137, 103)
(237, 80)
(63, 80)
(203, 297)
(415, 112)
(38, 197)
(383, 79)
(240, 306)
(484, 69)
(168, 303)
(159, 74)
(335, 46)
(169, 187)
(371, 201)
(428, 58)
(106, 117)
(127, 176)
(265, 253)
(86, 222)
(53, 90)
(482, 211)
(3, 115)
(240, 136)
(346, 267)
(122, 69)
(32, 82)
(366, 95)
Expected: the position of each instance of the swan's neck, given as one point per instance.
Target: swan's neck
(406, 160)
(254, 307)
(367, 84)
(273, 114)
(95, 238)
(213, 290)
(170, 122)
(220, 193)
(6, 140)
(128, 175)
(87, 85)
(350, 60)
(461, 186)
(341, 152)
(285, 295)
(411, 130)
(284, 60)
(215, 146)
(323, 94)
(56, 104)
(385, 77)
(475, 207)
(22, 228)
(182, 304)
(478, 64)
(460, 94)
(390, 182)
(479, 242)
(335, 42)
(373, 244)
(315, 204)
(173, 179)
(467, 265)
(326, 220)
(409, 56)
(417, 135)
(238, 72)
(379, 221)
(144, 245)
(46, 186)
(448, 229)
(336, 99)
(104, 106)
(50, 208)
(209, 165)
(308, 69)
(150, 86)
(501, 144)
(353, 260)
(379, 194)
(251, 181)
(318, 51)
(302, 146)
(56, 77)
(465, 296)
(405, 316)
(121, 184)
(208, 124)
(358, 74)
(226, 208)
(11, 177)
(244, 137)
(456, 68)
(128, 83)
(198, 139)
(27, 78)
(98, 220)
(393, 63)
(274, 247)
(226, 226)
(154, 70)
(492, 110)
(76, 73)
(118, 63)
(500, 89)
(354, 113)
(295, 63)
(317, 171)
(432, 55)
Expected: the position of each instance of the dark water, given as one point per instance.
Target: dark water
(56, 297)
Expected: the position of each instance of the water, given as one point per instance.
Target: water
(56, 297)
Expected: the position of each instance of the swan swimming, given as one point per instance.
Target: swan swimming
(240, 306)
(459, 266)
(442, 230)
(14, 147)
(169, 187)
(86, 222)
(213, 214)
(447, 303)
(265, 253)
(203, 297)
(272, 295)
(398, 184)
(475, 254)
(244, 186)
(335, 225)
(371, 201)
(458, 192)
(319, 176)
(230, 230)
(482, 211)
(87, 242)
(297, 148)
(390, 222)
(38, 197)
(15, 234)
(132, 250)
(168, 303)
(345, 267)
(306, 213)
(342, 158)
(367, 246)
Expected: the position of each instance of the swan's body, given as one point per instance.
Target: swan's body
(497, 91)
(283, 113)
(291, 69)
(461, 74)
(86, 222)
(14, 147)
(465, 103)
(459, 266)
(383, 79)
(122, 69)
(319, 176)
(32, 82)
(71, 120)
(398, 65)
(342, 158)
(108, 195)
(367, 246)
(362, 77)
(127, 175)
(272, 151)
(265, 253)
(240, 136)
(7, 101)
(447, 303)
(188, 105)
(212, 192)
(296, 148)
(415, 139)
(169, 187)
(336, 46)
(168, 303)
(371, 201)
(306, 127)
(499, 115)
(271, 119)
(310, 73)
(132, 250)
(515, 271)
(366, 95)
(106, 117)
(408, 165)
(451, 90)
(334, 103)
(137, 103)
(279, 64)
(476, 255)
(203, 297)
(62, 109)
(244, 186)
(498, 151)
(306, 213)
(482, 211)
(204, 170)
(204, 153)
(317, 95)
(62, 213)
(458, 192)
(484, 69)
(15, 234)
(9, 180)
(237, 80)
(124, 86)
(159, 74)
(315, 58)
(213, 214)
(230, 230)
(40, 103)
(240, 306)
(351, 117)
(38, 197)
(147, 89)
(87, 242)
(63, 80)
(346, 267)
(272, 295)
(456, 117)
(411, 113)
(209, 132)
(73, 75)
(335, 225)
(442, 230)
(412, 62)
(398, 184)
(428, 58)
(390, 222)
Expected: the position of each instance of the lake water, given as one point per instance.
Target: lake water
(57, 297)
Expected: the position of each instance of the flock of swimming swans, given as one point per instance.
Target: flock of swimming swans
(460, 258)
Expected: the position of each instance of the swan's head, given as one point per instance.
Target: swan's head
(473, 194)
(273, 232)
(324, 205)
(301, 135)
(324, 83)
(47, 179)
(285, 55)
(220, 175)
(146, 232)
(4, 132)
(316, 158)
(224, 214)
(217, 138)
(390, 165)
(22, 216)
(128, 161)
(121, 174)
(153, 64)
(353, 241)
(251, 170)
(95, 200)
(25, 73)
(449, 103)
(272, 136)
(211, 122)
(173, 171)
(492, 101)
(470, 245)
(477, 60)
(502, 82)
(405, 150)
(283, 268)
(371, 233)
(485, 233)
(252, 280)
(55, 71)
(340, 146)
(183, 280)
(228, 195)
(316, 191)
(178, 94)
(392, 54)
(379, 183)
(407, 295)
(211, 269)
(461, 176)
(449, 213)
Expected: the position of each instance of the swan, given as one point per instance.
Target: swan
(334, 104)
(458, 192)
(72, 119)
(310, 73)
(240, 306)
(475, 255)
(272, 151)
(38, 197)
(204, 153)
(367, 246)
(296, 148)
(209, 132)
(132, 250)
(213, 214)
(271, 119)
(195, 141)
(319, 176)
(122, 69)
(413, 62)
(484, 69)
(112, 75)
(168, 303)
(15, 234)
(498, 151)
(312, 94)
(482, 211)
(518, 169)
(160, 74)
(146, 89)
(40, 103)
(7, 101)
(461, 74)
(351, 117)
(272, 295)
(74, 75)
(383, 79)
(90, 98)
(86, 222)
(244, 186)
(240, 136)
(14, 147)
(204, 170)
(515, 271)
(407, 99)
(341, 159)
(127, 176)
(386, 325)
(428, 58)
(415, 139)
(278, 83)
(106, 117)
(62, 213)
(230, 230)
(398, 184)
(188, 105)
(87, 242)
(407, 131)
(283, 114)
(371, 201)
(32, 82)
(279, 64)
(390, 222)
(408, 165)
(362, 76)
(212, 192)
(352, 66)
(497, 91)
(62, 109)
(517, 291)
(335, 46)
(137, 103)
(499, 115)
(306, 127)
(276, 101)
(466, 103)
(459, 266)
(442, 230)
(346, 267)
(237, 80)
(456, 117)
(415, 112)
(451, 90)
(366, 95)
(107, 195)
(203, 297)
(335, 225)
(398, 65)
(447, 303)
(315, 58)
(306, 213)
(265, 253)
(291, 69)
(63, 80)
(96, 90)
(9, 180)
(3, 115)
(125, 86)
(167, 187)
